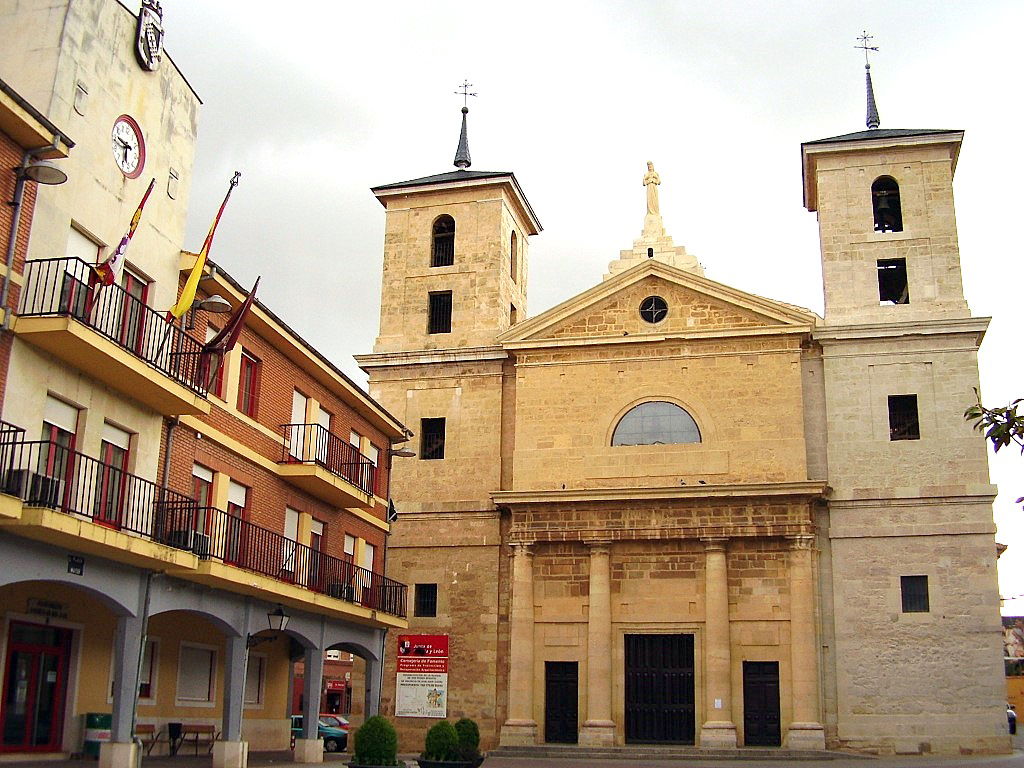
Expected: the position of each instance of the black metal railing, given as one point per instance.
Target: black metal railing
(312, 444)
(47, 474)
(68, 287)
(219, 535)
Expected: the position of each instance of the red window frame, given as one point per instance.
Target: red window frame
(57, 458)
(132, 333)
(249, 384)
(108, 504)
(236, 534)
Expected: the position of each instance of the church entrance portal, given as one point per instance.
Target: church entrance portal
(561, 692)
(761, 722)
(35, 680)
(659, 689)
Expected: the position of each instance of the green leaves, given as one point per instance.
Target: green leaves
(1002, 426)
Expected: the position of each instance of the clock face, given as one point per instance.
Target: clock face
(128, 147)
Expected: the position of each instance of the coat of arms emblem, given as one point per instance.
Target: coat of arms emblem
(149, 37)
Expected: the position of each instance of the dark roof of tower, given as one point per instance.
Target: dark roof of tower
(444, 178)
(882, 133)
(462, 159)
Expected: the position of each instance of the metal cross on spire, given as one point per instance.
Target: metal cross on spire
(865, 38)
(465, 92)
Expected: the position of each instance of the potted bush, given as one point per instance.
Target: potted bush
(376, 744)
(449, 746)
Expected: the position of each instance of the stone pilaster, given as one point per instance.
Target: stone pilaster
(520, 728)
(718, 729)
(599, 728)
(805, 730)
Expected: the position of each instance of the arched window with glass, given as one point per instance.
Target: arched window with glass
(442, 248)
(656, 423)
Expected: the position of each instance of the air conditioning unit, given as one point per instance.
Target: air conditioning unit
(181, 539)
(14, 482)
(342, 592)
(201, 545)
(44, 491)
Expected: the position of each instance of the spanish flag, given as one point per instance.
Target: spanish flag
(216, 349)
(188, 293)
(109, 272)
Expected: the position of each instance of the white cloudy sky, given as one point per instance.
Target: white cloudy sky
(315, 102)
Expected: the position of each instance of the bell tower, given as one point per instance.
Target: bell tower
(908, 558)
(455, 256)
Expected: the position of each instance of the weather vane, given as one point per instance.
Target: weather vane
(865, 38)
(464, 92)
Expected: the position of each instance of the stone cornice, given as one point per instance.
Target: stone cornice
(871, 331)
(651, 338)
(430, 357)
(806, 488)
(979, 494)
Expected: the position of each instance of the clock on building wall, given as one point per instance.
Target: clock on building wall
(128, 146)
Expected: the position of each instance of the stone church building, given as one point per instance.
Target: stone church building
(670, 511)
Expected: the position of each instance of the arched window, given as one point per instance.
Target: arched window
(442, 249)
(656, 423)
(513, 252)
(885, 202)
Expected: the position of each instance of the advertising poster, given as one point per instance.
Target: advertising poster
(422, 688)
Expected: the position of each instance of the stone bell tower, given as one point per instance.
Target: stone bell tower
(909, 561)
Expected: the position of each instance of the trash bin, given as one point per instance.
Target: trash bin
(97, 730)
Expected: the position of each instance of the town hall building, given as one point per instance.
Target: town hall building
(669, 511)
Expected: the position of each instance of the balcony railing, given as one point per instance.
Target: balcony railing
(221, 536)
(64, 288)
(47, 474)
(312, 444)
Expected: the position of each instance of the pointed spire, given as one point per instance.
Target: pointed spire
(872, 118)
(865, 45)
(462, 159)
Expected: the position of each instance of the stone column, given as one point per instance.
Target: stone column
(371, 684)
(599, 729)
(310, 747)
(718, 729)
(805, 731)
(521, 729)
(230, 751)
(120, 751)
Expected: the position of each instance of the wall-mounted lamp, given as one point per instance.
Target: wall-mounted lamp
(403, 452)
(216, 304)
(43, 172)
(278, 621)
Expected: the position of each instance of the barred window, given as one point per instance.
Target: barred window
(442, 251)
(915, 594)
(440, 312)
(425, 600)
(432, 438)
(903, 420)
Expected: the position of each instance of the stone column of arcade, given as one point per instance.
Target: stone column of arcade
(229, 751)
(120, 751)
(310, 747)
(599, 729)
(805, 731)
(718, 729)
(520, 728)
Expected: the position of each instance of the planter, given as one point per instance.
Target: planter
(424, 763)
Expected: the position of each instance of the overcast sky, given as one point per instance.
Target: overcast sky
(315, 102)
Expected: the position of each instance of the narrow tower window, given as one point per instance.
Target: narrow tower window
(892, 281)
(513, 252)
(432, 438)
(442, 251)
(914, 591)
(885, 202)
(903, 420)
(440, 312)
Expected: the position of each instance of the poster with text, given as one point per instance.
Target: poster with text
(422, 684)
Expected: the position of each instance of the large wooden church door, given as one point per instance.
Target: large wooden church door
(659, 689)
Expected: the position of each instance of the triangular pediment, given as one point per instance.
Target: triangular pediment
(696, 307)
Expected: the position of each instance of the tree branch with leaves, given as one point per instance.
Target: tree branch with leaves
(1002, 426)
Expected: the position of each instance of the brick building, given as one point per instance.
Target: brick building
(670, 511)
(156, 532)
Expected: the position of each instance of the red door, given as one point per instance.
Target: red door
(108, 501)
(35, 682)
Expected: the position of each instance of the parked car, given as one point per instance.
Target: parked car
(333, 729)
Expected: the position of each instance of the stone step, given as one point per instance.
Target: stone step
(642, 752)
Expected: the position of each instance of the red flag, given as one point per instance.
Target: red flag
(109, 272)
(217, 348)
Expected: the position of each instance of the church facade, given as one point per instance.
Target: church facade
(669, 511)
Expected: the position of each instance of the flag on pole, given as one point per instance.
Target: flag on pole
(109, 272)
(216, 349)
(188, 293)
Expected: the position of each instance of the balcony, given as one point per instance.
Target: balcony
(64, 498)
(111, 335)
(323, 464)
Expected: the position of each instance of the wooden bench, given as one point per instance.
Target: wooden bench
(197, 735)
(149, 735)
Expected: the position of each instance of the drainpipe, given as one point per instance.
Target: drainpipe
(12, 239)
(165, 471)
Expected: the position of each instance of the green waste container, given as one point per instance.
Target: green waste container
(97, 730)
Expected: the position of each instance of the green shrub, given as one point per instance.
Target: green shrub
(376, 743)
(469, 739)
(442, 742)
